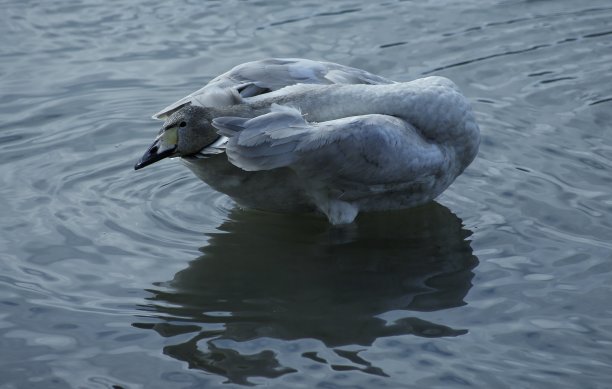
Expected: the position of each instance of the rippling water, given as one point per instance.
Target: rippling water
(111, 278)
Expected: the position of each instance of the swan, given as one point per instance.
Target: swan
(293, 135)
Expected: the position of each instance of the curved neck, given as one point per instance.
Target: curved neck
(433, 105)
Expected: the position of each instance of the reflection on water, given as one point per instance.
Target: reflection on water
(83, 236)
(269, 276)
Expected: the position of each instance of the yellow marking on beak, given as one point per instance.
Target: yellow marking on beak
(169, 138)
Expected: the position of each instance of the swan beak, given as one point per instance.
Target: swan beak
(164, 146)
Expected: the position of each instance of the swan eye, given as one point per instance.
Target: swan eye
(183, 124)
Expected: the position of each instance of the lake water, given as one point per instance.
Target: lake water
(111, 278)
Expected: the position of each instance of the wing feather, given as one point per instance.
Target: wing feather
(369, 149)
(268, 75)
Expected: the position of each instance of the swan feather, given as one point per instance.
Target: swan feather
(297, 134)
(260, 77)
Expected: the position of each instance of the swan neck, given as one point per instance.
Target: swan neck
(433, 106)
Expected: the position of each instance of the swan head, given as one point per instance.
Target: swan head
(184, 133)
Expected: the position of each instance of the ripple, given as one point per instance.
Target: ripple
(299, 281)
(110, 275)
(606, 100)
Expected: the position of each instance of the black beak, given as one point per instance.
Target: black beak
(153, 155)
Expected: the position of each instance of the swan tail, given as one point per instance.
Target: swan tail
(265, 142)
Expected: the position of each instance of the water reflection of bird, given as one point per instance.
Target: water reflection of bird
(271, 276)
(295, 134)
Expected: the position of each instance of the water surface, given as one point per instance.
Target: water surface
(111, 278)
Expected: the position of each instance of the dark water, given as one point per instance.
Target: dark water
(111, 278)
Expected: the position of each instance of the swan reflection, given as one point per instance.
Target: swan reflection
(282, 277)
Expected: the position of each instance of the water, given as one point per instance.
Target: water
(111, 278)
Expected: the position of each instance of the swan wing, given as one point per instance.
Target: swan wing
(365, 153)
(268, 75)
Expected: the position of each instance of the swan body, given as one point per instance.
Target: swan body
(298, 135)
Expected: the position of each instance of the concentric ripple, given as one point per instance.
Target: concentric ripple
(123, 279)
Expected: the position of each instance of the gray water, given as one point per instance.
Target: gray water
(111, 278)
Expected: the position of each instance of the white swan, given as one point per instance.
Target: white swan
(296, 135)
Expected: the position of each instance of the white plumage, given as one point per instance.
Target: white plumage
(306, 135)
